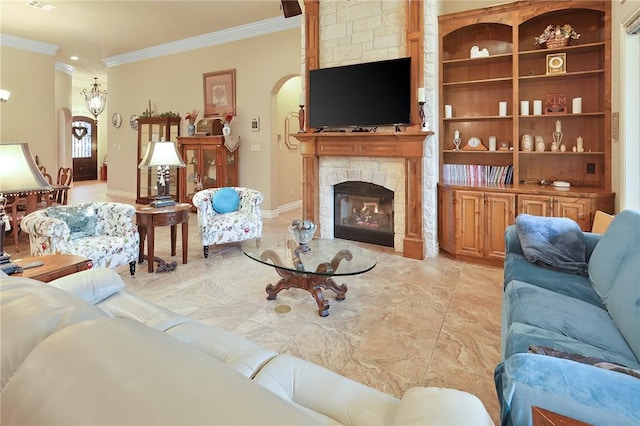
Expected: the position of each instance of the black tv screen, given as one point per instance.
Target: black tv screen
(361, 95)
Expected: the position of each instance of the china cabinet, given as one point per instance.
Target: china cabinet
(154, 129)
(209, 162)
(576, 105)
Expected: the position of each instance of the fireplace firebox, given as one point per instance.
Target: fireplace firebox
(363, 212)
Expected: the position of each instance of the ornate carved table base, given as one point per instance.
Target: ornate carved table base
(314, 284)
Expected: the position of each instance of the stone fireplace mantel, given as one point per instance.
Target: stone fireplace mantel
(404, 145)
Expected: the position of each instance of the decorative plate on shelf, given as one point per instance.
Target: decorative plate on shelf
(133, 121)
(116, 120)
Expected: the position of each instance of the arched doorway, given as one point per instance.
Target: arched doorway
(84, 148)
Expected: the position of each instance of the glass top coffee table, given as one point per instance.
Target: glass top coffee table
(311, 269)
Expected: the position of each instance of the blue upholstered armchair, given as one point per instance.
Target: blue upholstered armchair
(100, 231)
(243, 223)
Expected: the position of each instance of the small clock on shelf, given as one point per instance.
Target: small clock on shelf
(474, 144)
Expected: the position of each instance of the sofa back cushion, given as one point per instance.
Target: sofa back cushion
(614, 269)
(31, 312)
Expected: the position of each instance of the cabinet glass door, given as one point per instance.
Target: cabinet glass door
(230, 164)
(191, 173)
(209, 167)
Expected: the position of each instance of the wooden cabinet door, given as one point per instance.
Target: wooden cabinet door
(578, 209)
(469, 217)
(537, 205)
(446, 235)
(499, 213)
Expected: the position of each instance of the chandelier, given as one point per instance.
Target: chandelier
(95, 99)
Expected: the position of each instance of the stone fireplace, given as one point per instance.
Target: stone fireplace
(384, 173)
(392, 160)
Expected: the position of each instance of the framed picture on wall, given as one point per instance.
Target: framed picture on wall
(220, 93)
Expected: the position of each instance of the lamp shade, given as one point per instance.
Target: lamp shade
(19, 173)
(163, 153)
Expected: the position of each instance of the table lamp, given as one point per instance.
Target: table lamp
(163, 155)
(19, 176)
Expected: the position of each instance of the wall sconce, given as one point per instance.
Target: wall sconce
(4, 95)
(95, 99)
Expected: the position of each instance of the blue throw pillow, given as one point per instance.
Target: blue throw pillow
(226, 200)
(81, 220)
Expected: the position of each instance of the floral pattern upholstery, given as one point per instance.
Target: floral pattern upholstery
(221, 228)
(114, 242)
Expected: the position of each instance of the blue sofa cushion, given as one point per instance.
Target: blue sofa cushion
(583, 392)
(226, 200)
(552, 242)
(518, 337)
(563, 315)
(517, 267)
(614, 269)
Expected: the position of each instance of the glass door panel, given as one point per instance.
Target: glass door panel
(209, 167)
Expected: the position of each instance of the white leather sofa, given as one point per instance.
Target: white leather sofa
(84, 350)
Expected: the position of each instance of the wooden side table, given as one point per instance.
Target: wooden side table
(542, 417)
(150, 217)
(55, 266)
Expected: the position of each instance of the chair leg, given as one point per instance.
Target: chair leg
(206, 251)
(132, 268)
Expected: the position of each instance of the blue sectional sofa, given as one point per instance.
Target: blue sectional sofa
(588, 319)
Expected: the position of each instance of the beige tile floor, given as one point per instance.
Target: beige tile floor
(405, 323)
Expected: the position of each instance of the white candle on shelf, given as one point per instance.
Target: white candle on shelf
(502, 109)
(492, 143)
(301, 100)
(537, 107)
(558, 126)
(524, 107)
(421, 95)
(580, 144)
(448, 111)
(576, 106)
(456, 134)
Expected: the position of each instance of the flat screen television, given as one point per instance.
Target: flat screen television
(361, 95)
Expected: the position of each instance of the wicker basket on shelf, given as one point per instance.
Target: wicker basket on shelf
(557, 42)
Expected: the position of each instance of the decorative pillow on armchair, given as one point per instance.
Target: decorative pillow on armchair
(226, 200)
(81, 220)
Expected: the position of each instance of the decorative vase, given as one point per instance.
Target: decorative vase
(226, 129)
(191, 129)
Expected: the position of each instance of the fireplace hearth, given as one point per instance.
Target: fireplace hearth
(363, 212)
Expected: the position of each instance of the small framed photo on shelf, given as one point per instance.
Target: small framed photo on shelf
(220, 93)
(557, 63)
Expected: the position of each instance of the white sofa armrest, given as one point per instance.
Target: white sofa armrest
(92, 285)
(442, 407)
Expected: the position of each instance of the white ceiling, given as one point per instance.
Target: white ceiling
(97, 29)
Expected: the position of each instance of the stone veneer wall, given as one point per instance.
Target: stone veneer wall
(359, 31)
(386, 172)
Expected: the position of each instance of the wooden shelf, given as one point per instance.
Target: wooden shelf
(472, 217)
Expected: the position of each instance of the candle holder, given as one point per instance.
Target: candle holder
(456, 143)
(557, 141)
(423, 121)
(301, 118)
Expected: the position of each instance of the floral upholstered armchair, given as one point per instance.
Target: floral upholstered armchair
(228, 214)
(102, 232)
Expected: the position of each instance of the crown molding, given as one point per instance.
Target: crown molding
(241, 32)
(26, 44)
(65, 68)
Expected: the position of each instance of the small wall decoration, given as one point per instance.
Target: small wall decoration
(556, 103)
(557, 63)
(220, 93)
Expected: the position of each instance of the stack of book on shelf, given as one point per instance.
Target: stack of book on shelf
(476, 174)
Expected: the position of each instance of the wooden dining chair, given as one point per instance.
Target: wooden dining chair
(60, 193)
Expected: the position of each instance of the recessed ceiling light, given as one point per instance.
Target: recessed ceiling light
(41, 5)
(73, 58)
